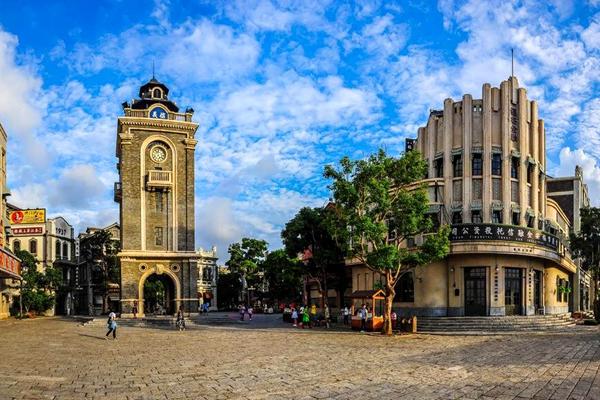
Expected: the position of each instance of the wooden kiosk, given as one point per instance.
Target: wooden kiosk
(374, 300)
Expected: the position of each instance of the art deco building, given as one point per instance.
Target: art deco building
(487, 179)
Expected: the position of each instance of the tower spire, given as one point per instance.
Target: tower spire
(512, 62)
(152, 69)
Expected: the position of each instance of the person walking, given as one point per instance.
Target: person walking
(180, 322)
(242, 309)
(250, 311)
(295, 317)
(363, 318)
(135, 309)
(346, 315)
(327, 316)
(111, 325)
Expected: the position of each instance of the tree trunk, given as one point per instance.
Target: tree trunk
(389, 299)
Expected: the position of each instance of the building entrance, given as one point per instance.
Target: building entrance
(513, 291)
(475, 291)
(159, 295)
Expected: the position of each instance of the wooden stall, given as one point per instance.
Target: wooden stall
(374, 299)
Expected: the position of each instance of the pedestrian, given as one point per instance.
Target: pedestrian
(250, 311)
(205, 307)
(135, 309)
(313, 315)
(363, 318)
(111, 325)
(346, 314)
(327, 316)
(295, 316)
(242, 309)
(305, 318)
(180, 322)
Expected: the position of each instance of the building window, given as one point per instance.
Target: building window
(457, 190)
(457, 217)
(57, 249)
(529, 173)
(158, 198)
(477, 189)
(65, 252)
(405, 289)
(158, 236)
(497, 216)
(33, 246)
(496, 164)
(530, 221)
(16, 245)
(207, 274)
(514, 168)
(476, 217)
(438, 166)
(496, 189)
(514, 191)
(477, 165)
(457, 166)
(515, 218)
(157, 93)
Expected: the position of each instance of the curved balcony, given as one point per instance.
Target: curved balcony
(158, 179)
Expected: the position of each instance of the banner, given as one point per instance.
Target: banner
(32, 216)
(470, 232)
(9, 265)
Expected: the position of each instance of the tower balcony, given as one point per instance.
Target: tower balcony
(118, 192)
(157, 179)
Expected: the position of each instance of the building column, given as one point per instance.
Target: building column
(535, 181)
(524, 151)
(467, 133)
(447, 147)
(505, 93)
(542, 160)
(487, 152)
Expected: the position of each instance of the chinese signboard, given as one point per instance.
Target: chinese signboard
(33, 216)
(9, 265)
(468, 232)
(35, 230)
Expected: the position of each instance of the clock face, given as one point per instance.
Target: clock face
(158, 154)
(158, 112)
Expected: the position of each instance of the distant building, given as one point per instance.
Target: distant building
(207, 277)
(81, 281)
(10, 266)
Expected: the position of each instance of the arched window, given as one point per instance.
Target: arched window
(33, 246)
(405, 288)
(16, 245)
(65, 251)
(58, 257)
(157, 93)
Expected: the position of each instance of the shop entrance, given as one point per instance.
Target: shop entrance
(159, 295)
(475, 291)
(513, 291)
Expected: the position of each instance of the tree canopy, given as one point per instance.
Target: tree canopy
(379, 203)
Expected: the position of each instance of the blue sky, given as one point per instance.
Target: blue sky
(280, 89)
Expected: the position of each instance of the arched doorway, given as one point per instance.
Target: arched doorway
(159, 295)
(158, 286)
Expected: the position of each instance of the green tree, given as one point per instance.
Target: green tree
(245, 259)
(586, 244)
(100, 251)
(375, 198)
(284, 275)
(37, 290)
(229, 287)
(308, 233)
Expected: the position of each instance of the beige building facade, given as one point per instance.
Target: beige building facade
(155, 151)
(10, 267)
(487, 179)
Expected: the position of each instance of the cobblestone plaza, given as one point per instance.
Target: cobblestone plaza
(59, 359)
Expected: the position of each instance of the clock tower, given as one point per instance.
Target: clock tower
(155, 192)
